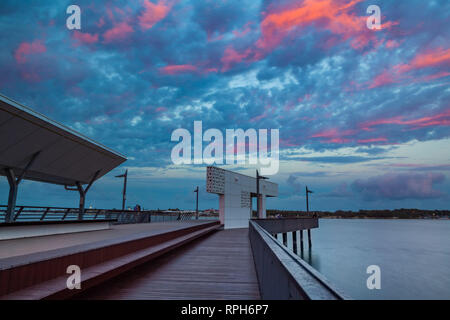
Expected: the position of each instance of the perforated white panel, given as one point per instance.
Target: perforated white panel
(245, 199)
(215, 180)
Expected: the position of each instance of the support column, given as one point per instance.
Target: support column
(82, 193)
(262, 206)
(294, 241)
(222, 208)
(285, 239)
(12, 197)
(14, 186)
(301, 241)
(309, 238)
(82, 200)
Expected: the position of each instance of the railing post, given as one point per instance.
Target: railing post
(285, 239)
(65, 214)
(18, 213)
(44, 214)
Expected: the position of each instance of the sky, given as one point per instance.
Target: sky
(363, 115)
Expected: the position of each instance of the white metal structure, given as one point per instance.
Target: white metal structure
(235, 192)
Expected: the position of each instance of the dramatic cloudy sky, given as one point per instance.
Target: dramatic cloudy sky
(363, 115)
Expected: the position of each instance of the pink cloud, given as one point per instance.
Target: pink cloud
(344, 136)
(231, 56)
(337, 17)
(28, 48)
(85, 37)
(100, 22)
(153, 13)
(436, 76)
(333, 133)
(160, 109)
(334, 16)
(440, 119)
(118, 32)
(180, 68)
(383, 79)
(391, 44)
(400, 186)
(31, 76)
(268, 110)
(431, 58)
(241, 33)
(372, 140)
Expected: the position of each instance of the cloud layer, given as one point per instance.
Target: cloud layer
(137, 70)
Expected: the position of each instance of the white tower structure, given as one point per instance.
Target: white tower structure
(235, 192)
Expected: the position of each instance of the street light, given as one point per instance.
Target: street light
(196, 206)
(258, 177)
(124, 192)
(307, 198)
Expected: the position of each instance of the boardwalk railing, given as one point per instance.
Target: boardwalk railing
(281, 273)
(34, 213)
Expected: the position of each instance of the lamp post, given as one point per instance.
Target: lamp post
(307, 198)
(307, 211)
(124, 192)
(258, 177)
(196, 205)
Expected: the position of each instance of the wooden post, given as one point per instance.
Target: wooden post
(294, 241)
(309, 238)
(285, 239)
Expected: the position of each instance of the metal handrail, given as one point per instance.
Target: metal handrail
(282, 274)
(45, 213)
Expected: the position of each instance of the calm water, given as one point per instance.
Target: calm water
(414, 256)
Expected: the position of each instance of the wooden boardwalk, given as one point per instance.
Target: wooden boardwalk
(218, 266)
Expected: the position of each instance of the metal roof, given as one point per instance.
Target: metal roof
(65, 157)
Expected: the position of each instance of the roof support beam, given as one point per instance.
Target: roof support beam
(82, 191)
(14, 187)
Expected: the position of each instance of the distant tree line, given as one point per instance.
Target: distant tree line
(381, 214)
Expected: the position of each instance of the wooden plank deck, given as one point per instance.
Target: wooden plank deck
(219, 266)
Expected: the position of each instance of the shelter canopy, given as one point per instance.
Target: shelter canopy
(64, 156)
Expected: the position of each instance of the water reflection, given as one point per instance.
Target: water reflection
(304, 252)
(413, 255)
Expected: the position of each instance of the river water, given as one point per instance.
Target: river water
(413, 256)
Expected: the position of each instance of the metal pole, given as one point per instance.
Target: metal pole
(124, 191)
(307, 199)
(307, 210)
(257, 193)
(124, 194)
(196, 205)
